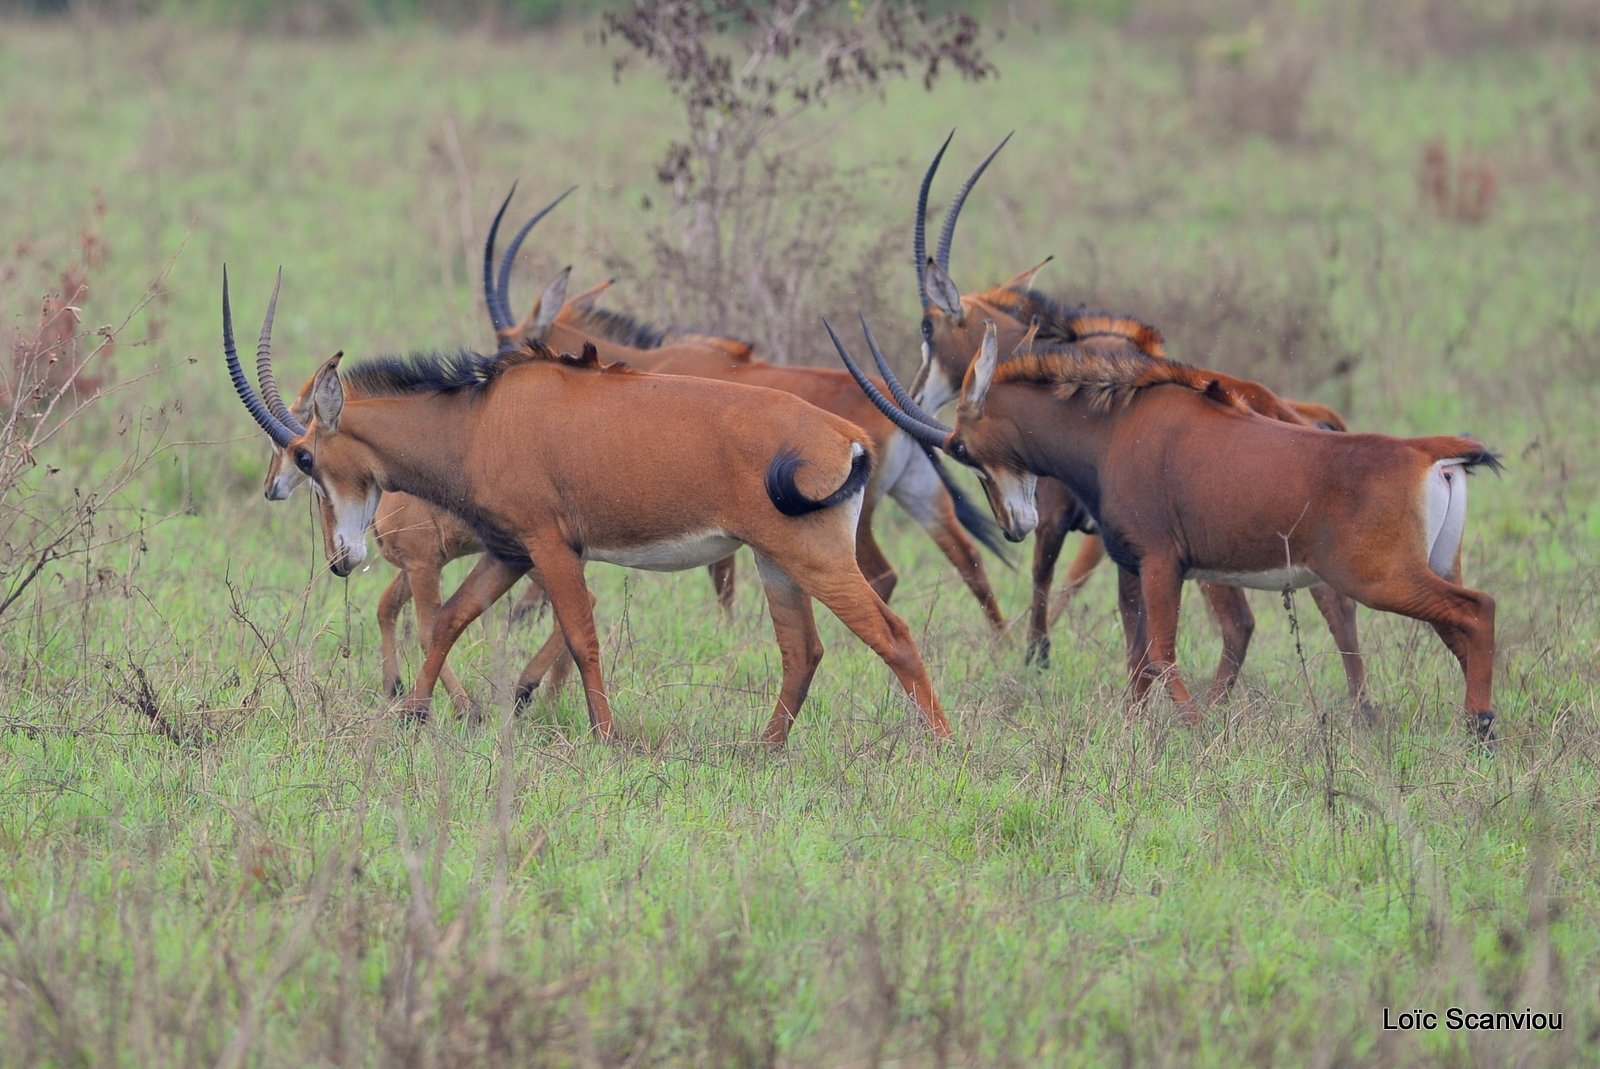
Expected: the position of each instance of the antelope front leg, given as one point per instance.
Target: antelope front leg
(1130, 606)
(1161, 584)
(561, 572)
(1237, 623)
(723, 573)
(1048, 539)
(547, 668)
(528, 605)
(424, 579)
(1340, 613)
(1091, 551)
(959, 550)
(483, 586)
(390, 602)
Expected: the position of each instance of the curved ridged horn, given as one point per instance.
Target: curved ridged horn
(506, 261)
(264, 375)
(928, 433)
(919, 233)
(901, 395)
(500, 320)
(280, 434)
(949, 229)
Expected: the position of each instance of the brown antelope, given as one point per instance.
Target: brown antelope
(414, 536)
(556, 461)
(1184, 478)
(912, 478)
(1026, 318)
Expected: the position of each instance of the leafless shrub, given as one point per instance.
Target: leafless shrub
(54, 487)
(755, 220)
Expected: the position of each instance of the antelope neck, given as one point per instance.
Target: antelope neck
(419, 443)
(1060, 439)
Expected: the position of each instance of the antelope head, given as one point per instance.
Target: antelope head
(952, 325)
(347, 487)
(976, 441)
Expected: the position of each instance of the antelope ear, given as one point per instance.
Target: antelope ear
(982, 374)
(550, 304)
(1025, 279)
(586, 299)
(1024, 345)
(327, 394)
(942, 292)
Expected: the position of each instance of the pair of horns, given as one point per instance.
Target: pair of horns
(494, 291)
(919, 242)
(271, 414)
(903, 412)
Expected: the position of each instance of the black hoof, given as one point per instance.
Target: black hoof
(397, 689)
(524, 695)
(1485, 727)
(415, 713)
(1037, 653)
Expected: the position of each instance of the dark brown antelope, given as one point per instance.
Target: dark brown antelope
(1027, 319)
(557, 461)
(912, 478)
(414, 536)
(1183, 478)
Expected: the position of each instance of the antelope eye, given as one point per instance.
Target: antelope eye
(302, 460)
(927, 329)
(958, 450)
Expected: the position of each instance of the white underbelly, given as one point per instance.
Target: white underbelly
(1286, 578)
(668, 555)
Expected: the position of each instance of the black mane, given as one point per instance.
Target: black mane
(1061, 323)
(447, 373)
(621, 328)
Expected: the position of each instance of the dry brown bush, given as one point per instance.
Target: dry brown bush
(54, 487)
(756, 243)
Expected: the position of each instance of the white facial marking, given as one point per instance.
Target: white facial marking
(352, 517)
(1017, 492)
(286, 481)
(938, 391)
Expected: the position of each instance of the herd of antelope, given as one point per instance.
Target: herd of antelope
(587, 435)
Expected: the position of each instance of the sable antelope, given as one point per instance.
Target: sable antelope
(912, 478)
(414, 536)
(555, 461)
(1183, 478)
(1025, 319)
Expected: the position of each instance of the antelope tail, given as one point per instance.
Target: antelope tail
(1468, 452)
(788, 499)
(974, 519)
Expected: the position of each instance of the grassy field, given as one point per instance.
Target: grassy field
(301, 881)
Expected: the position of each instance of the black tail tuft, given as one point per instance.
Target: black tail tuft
(975, 520)
(788, 499)
(1484, 458)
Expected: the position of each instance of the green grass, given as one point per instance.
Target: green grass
(312, 883)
